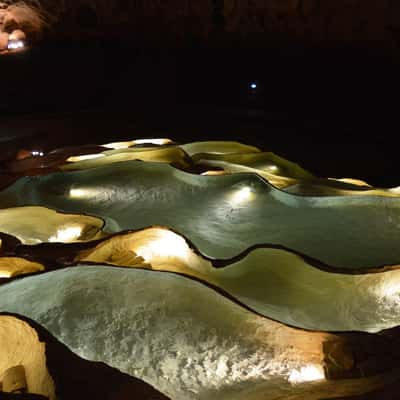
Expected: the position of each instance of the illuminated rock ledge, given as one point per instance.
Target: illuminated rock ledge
(222, 215)
(321, 297)
(209, 270)
(189, 341)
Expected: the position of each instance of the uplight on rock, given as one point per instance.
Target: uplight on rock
(5, 274)
(84, 157)
(241, 196)
(130, 143)
(119, 145)
(83, 193)
(67, 234)
(213, 173)
(161, 247)
(273, 169)
(308, 373)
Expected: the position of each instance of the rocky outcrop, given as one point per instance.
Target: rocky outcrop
(23, 359)
(17, 19)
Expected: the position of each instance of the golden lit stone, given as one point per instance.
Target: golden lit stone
(23, 359)
(13, 266)
(33, 225)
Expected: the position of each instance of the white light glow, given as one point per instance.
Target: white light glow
(37, 153)
(83, 193)
(84, 157)
(308, 373)
(163, 249)
(390, 289)
(66, 234)
(253, 86)
(395, 190)
(15, 44)
(158, 142)
(163, 244)
(241, 196)
(118, 145)
(352, 181)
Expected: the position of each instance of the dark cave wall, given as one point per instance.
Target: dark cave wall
(376, 22)
(317, 20)
(159, 20)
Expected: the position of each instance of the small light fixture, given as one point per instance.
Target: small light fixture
(37, 153)
(15, 45)
(253, 85)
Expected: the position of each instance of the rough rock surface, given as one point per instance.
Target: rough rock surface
(74, 378)
(20, 345)
(314, 20)
(222, 215)
(263, 280)
(3, 40)
(183, 338)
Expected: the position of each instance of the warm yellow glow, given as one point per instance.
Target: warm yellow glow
(392, 289)
(273, 169)
(5, 274)
(84, 157)
(356, 182)
(241, 196)
(155, 248)
(67, 234)
(395, 190)
(388, 289)
(13, 266)
(213, 173)
(161, 245)
(23, 364)
(125, 145)
(308, 373)
(119, 145)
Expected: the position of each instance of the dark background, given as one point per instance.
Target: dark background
(335, 111)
